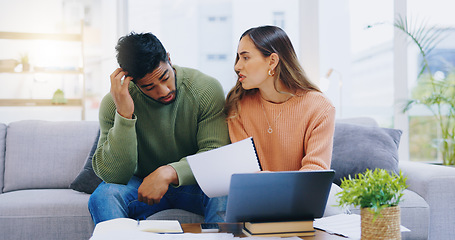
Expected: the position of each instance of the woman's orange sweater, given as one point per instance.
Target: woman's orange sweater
(302, 137)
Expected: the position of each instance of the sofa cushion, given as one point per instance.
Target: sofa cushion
(45, 214)
(87, 181)
(2, 153)
(364, 121)
(357, 148)
(182, 216)
(44, 154)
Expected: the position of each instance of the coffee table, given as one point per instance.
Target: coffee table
(236, 229)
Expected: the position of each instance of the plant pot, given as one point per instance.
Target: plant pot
(385, 226)
(446, 147)
(25, 67)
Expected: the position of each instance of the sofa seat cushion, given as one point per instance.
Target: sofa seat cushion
(177, 214)
(43, 154)
(44, 203)
(25, 213)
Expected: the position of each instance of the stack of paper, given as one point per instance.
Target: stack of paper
(347, 225)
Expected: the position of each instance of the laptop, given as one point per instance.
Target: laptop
(278, 196)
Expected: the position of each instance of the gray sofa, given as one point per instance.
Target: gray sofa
(39, 160)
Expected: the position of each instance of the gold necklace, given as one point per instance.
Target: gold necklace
(269, 130)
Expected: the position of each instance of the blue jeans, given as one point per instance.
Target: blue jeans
(111, 201)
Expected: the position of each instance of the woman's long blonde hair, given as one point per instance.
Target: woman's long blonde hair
(268, 40)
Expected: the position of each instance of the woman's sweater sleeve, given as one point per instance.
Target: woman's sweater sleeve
(319, 142)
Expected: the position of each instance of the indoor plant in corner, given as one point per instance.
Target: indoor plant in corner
(377, 193)
(434, 91)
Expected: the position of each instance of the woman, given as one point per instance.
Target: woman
(291, 121)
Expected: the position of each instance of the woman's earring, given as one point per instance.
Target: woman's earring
(270, 72)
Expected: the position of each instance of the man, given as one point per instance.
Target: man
(155, 115)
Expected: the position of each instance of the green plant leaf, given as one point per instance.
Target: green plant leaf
(372, 189)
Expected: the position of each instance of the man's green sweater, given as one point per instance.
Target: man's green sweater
(161, 134)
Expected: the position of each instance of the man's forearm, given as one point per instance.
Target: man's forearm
(169, 174)
(116, 157)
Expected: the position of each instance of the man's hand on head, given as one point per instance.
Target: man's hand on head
(156, 184)
(120, 93)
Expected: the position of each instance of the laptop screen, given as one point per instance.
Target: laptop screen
(278, 196)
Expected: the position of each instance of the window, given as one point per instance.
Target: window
(357, 58)
(216, 57)
(209, 30)
(358, 71)
(278, 19)
(423, 129)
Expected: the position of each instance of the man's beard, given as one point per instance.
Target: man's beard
(166, 103)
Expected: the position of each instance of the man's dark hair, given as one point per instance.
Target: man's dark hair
(139, 54)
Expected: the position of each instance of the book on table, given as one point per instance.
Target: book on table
(290, 234)
(279, 229)
(128, 224)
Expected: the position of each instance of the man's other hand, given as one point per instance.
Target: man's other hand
(156, 184)
(120, 93)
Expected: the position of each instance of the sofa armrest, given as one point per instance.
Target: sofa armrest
(436, 184)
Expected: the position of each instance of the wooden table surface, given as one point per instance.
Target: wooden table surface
(236, 229)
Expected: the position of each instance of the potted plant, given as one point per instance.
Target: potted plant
(377, 193)
(434, 91)
(25, 62)
(59, 97)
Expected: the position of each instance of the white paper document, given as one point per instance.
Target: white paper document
(347, 225)
(213, 169)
